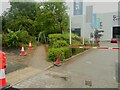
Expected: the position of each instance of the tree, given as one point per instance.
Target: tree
(34, 17)
(20, 16)
(52, 17)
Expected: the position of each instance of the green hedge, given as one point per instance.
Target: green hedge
(67, 52)
(77, 50)
(54, 52)
(59, 44)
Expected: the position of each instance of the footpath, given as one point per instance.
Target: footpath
(37, 62)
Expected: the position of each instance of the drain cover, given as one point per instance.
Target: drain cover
(88, 83)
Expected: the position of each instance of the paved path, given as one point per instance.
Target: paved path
(39, 58)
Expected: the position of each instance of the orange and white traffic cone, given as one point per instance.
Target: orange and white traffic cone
(3, 83)
(3, 60)
(57, 63)
(22, 50)
(30, 45)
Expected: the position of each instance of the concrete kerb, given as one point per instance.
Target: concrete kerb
(75, 56)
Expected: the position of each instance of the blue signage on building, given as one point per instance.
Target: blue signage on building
(78, 7)
(116, 18)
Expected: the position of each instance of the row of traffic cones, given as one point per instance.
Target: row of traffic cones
(23, 51)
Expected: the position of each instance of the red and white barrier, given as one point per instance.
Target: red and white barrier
(88, 47)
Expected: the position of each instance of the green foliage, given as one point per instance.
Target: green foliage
(67, 52)
(54, 52)
(56, 37)
(50, 17)
(15, 39)
(76, 43)
(60, 43)
(20, 16)
(77, 50)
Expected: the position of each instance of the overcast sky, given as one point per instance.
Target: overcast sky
(99, 6)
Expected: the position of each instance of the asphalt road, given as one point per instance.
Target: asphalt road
(94, 69)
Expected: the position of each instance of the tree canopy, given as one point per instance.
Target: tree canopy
(36, 17)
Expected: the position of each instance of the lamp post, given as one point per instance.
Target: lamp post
(70, 23)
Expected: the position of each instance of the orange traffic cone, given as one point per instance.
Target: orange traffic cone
(30, 45)
(57, 63)
(22, 50)
(3, 82)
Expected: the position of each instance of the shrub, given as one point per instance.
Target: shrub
(77, 50)
(15, 39)
(60, 43)
(67, 52)
(53, 54)
(54, 37)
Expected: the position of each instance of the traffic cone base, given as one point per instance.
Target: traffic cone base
(3, 82)
(57, 63)
(30, 47)
(22, 50)
(23, 53)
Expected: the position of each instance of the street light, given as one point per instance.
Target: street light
(70, 24)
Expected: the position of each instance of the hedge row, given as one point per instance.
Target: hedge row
(55, 37)
(54, 52)
(59, 44)
(66, 53)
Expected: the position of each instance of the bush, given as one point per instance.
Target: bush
(54, 52)
(15, 39)
(59, 44)
(67, 52)
(54, 37)
(77, 50)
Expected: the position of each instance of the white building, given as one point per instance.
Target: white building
(106, 21)
(109, 20)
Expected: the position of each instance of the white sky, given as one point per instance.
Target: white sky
(99, 6)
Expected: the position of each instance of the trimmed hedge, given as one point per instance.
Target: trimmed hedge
(77, 50)
(59, 44)
(54, 52)
(67, 52)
